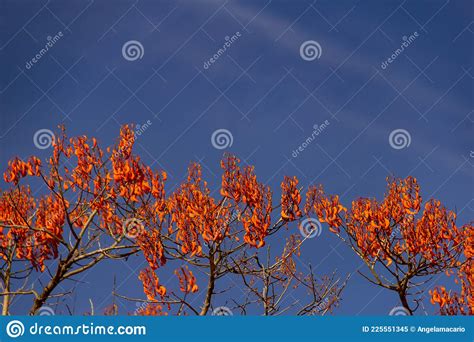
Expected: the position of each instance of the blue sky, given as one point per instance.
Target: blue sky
(262, 91)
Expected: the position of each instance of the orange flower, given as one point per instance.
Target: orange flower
(187, 280)
(328, 208)
(257, 220)
(231, 178)
(290, 199)
(18, 169)
(152, 247)
(151, 284)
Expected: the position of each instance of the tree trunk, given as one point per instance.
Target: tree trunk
(210, 287)
(43, 297)
(6, 289)
(403, 299)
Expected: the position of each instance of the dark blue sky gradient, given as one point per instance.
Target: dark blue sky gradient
(263, 92)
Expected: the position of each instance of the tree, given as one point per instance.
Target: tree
(225, 236)
(91, 205)
(75, 220)
(462, 303)
(401, 245)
